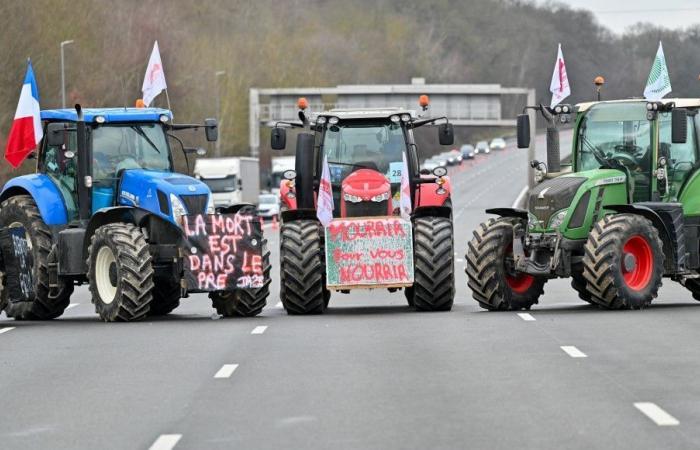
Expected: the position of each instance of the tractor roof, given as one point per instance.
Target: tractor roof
(680, 102)
(366, 113)
(111, 115)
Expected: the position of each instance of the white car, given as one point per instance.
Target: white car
(498, 144)
(482, 147)
(268, 206)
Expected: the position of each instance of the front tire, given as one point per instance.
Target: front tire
(433, 255)
(120, 273)
(493, 285)
(22, 210)
(623, 262)
(302, 268)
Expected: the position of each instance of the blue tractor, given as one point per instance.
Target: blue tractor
(106, 208)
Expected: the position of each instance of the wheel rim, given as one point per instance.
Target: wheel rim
(637, 262)
(106, 274)
(518, 282)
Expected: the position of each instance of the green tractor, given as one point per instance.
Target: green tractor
(624, 214)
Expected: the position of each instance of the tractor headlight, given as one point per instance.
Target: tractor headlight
(532, 221)
(352, 198)
(177, 207)
(557, 219)
(381, 197)
(540, 173)
(210, 205)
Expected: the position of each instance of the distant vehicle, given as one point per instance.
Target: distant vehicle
(482, 147)
(457, 155)
(498, 144)
(280, 164)
(450, 158)
(430, 164)
(223, 176)
(441, 159)
(268, 206)
(467, 151)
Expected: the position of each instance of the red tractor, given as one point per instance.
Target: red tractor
(377, 237)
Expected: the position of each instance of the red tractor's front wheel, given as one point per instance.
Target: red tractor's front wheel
(492, 279)
(623, 262)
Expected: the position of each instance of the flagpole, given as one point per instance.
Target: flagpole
(167, 97)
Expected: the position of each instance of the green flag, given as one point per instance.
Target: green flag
(659, 83)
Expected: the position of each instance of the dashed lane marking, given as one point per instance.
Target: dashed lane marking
(226, 371)
(527, 317)
(165, 442)
(259, 330)
(278, 305)
(656, 414)
(72, 305)
(6, 329)
(573, 351)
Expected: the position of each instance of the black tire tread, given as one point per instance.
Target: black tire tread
(433, 256)
(302, 268)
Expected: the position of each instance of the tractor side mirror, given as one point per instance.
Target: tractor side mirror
(278, 138)
(679, 126)
(446, 134)
(523, 131)
(211, 129)
(55, 136)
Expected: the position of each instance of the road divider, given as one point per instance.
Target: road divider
(656, 414)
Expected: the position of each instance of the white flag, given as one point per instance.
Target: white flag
(154, 81)
(559, 86)
(405, 200)
(324, 209)
(659, 83)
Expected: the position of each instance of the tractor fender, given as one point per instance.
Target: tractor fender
(426, 194)
(509, 212)
(667, 232)
(438, 211)
(44, 192)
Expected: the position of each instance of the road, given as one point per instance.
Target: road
(370, 373)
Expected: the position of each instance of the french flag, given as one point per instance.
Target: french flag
(26, 132)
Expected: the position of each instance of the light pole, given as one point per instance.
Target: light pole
(63, 72)
(218, 74)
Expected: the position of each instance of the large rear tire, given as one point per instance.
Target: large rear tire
(493, 285)
(302, 268)
(433, 255)
(623, 262)
(166, 296)
(579, 283)
(22, 210)
(120, 273)
(244, 302)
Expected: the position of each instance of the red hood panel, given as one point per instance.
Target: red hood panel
(366, 183)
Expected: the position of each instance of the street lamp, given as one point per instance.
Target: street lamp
(218, 74)
(63, 73)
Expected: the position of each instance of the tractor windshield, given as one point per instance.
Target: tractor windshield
(128, 146)
(357, 145)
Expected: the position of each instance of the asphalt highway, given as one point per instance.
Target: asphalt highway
(370, 373)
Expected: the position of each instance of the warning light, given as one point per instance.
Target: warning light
(423, 101)
(599, 81)
(140, 103)
(302, 103)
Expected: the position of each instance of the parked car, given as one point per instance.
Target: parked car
(498, 144)
(482, 147)
(467, 151)
(268, 206)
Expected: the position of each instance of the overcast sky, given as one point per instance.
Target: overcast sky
(620, 14)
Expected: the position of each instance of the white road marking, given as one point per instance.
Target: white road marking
(259, 330)
(278, 305)
(72, 305)
(527, 317)
(658, 415)
(459, 260)
(165, 442)
(573, 351)
(226, 371)
(6, 329)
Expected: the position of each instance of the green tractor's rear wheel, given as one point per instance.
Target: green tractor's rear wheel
(302, 268)
(579, 283)
(623, 262)
(244, 302)
(433, 256)
(120, 273)
(492, 280)
(22, 211)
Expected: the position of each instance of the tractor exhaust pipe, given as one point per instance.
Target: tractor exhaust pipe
(84, 170)
(305, 171)
(553, 151)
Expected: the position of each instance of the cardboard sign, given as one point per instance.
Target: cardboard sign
(369, 252)
(18, 262)
(223, 252)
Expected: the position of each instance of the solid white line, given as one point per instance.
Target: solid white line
(658, 415)
(459, 260)
(165, 442)
(278, 305)
(527, 317)
(518, 199)
(72, 305)
(259, 330)
(573, 351)
(6, 329)
(226, 371)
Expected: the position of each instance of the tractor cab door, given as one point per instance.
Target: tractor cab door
(681, 158)
(60, 163)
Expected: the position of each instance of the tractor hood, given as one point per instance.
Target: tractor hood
(366, 184)
(152, 190)
(570, 203)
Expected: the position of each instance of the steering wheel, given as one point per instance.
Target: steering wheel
(625, 159)
(619, 148)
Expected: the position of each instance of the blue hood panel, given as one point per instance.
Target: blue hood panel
(139, 187)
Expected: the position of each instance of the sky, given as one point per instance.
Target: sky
(617, 15)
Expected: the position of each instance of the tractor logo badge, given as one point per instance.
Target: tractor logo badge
(544, 191)
(192, 188)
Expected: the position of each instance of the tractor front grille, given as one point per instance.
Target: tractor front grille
(366, 209)
(195, 204)
(552, 195)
